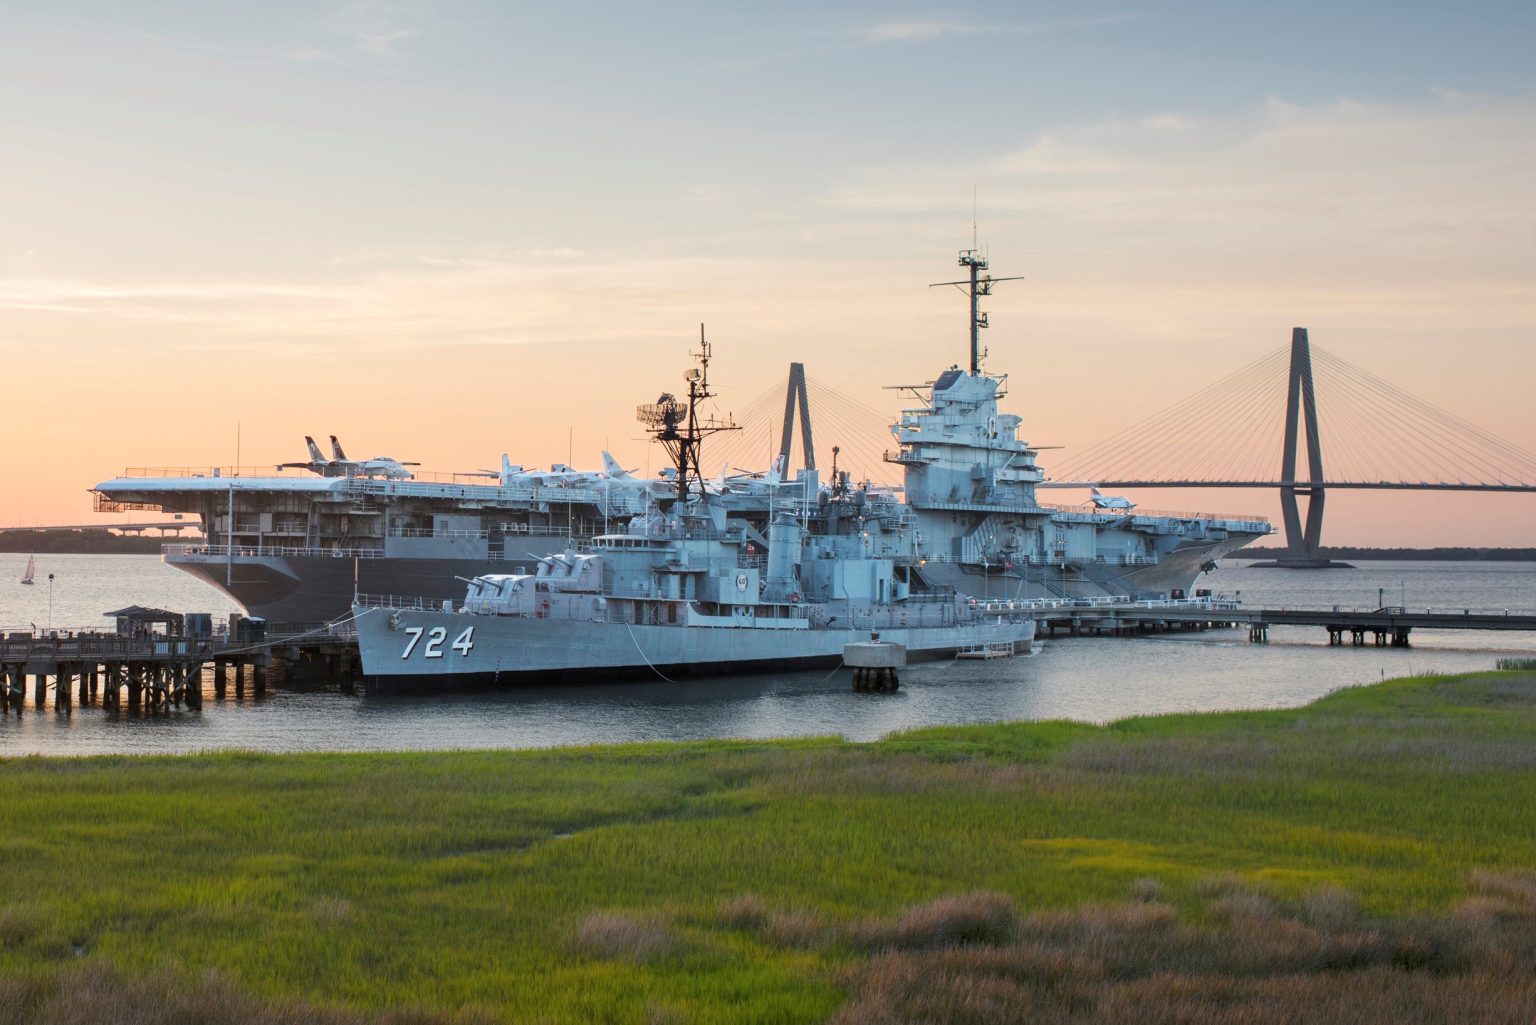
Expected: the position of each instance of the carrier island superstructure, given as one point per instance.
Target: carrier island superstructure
(297, 549)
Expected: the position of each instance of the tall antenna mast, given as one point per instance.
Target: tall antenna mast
(667, 414)
(976, 286)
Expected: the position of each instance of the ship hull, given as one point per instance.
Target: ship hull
(503, 651)
(320, 588)
(314, 588)
(1179, 569)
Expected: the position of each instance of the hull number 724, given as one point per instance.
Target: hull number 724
(433, 648)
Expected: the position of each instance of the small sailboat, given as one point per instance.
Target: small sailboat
(26, 577)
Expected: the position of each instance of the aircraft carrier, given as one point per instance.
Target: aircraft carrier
(296, 549)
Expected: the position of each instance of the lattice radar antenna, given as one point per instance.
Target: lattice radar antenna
(678, 424)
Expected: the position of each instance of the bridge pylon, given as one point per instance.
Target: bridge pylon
(795, 394)
(1303, 543)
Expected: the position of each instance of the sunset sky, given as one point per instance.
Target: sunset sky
(444, 231)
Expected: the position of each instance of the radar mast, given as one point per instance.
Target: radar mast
(667, 414)
(976, 286)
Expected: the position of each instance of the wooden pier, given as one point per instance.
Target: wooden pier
(156, 673)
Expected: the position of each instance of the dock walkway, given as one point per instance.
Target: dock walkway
(1389, 625)
(152, 671)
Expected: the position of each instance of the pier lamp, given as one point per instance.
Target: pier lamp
(50, 603)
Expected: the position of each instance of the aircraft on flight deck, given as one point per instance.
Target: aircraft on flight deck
(1111, 501)
(560, 474)
(341, 466)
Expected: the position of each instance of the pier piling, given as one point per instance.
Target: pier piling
(874, 664)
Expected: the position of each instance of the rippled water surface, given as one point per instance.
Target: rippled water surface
(1094, 679)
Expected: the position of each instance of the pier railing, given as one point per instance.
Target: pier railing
(88, 645)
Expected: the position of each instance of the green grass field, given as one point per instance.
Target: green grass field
(1388, 829)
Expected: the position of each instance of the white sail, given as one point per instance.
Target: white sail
(26, 577)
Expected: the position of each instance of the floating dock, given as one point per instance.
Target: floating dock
(986, 652)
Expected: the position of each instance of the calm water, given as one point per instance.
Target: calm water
(1093, 679)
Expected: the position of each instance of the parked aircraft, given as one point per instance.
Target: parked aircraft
(341, 466)
(1111, 501)
(612, 468)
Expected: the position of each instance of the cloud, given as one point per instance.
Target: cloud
(1361, 191)
(823, 42)
(382, 44)
(311, 56)
(908, 31)
(918, 30)
(375, 27)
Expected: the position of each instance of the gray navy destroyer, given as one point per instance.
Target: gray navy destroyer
(297, 548)
(683, 590)
(781, 577)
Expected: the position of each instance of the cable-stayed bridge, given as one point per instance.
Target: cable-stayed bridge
(1265, 426)
(860, 433)
(1268, 425)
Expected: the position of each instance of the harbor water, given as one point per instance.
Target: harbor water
(1090, 679)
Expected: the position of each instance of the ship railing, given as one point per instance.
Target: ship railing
(1232, 521)
(266, 470)
(594, 493)
(281, 632)
(183, 551)
(407, 603)
(937, 596)
(1015, 560)
(577, 528)
(1001, 605)
(428, 532)
(732, 535)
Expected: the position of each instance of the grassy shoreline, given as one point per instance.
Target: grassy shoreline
(766, 882)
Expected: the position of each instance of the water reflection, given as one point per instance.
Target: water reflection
(1091, 679)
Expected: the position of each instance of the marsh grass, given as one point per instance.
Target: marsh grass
(1268, 963)
(92, 995)
(1382, 834)
(627, 937)
(964, 919)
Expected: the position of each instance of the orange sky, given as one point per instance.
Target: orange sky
(363, 225)
(1085, 358)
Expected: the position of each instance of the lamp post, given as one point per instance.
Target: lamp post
(50, 603)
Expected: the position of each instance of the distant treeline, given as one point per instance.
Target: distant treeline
(81, 542)
(1424, 554)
